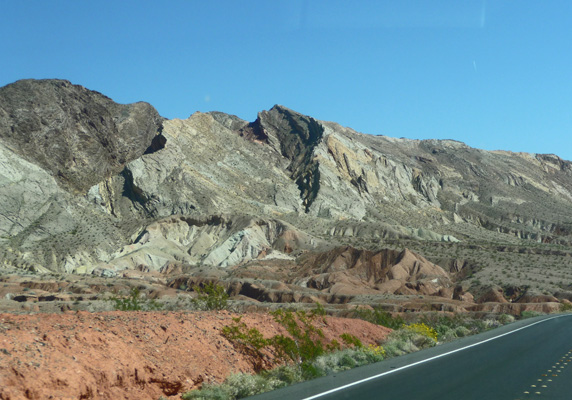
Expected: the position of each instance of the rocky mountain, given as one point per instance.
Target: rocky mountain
(93, 187)
(79, 136)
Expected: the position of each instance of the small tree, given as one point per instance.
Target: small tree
(211, 297)
(134, 302)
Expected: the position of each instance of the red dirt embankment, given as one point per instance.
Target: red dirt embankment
(130, 355)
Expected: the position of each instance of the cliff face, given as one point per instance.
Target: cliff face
(56, 141)
(81, 137)
(286, 162)
(86, 182)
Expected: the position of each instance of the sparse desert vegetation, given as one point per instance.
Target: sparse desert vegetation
(405, 338)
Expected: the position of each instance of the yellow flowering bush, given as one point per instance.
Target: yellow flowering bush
(374, 350)
(423, 329)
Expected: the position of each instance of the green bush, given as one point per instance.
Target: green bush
(347, 359)
(351, 340)
(319, 310)
(409, 339)
(250, 340)
(462, 331)
(505, 318)
(243, 385)
(210, 297)
(308, 353)
(380, 317)
(287, 374)
(209, 392)
(306, 341)
(530, 314)
(134, 302)
(452, 327)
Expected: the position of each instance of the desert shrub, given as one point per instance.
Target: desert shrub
(319, 310)
(250, 340)
(564, 307)
(208, 392)
(476, 325)
(134, 302)
(447, 334)
(410, 338)
(308, 353)
(210, 297)
(334, 345)
(423, 330)
(351, 340)
(310, 371)
(491, 323)
(447, 326)
(238, 386)
(462, 331)
(306, 341)
(380, 317)
(395, 347)
(329, 362)
(530, 314)
(245, 385)
(347, 361)
(452, 327)
(362, 356)
(348, 358)
(505, 318)
(287, 374)
(375, 353)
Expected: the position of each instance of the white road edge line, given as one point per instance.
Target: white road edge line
(426, 360)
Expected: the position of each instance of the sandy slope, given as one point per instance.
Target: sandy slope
(129, 355)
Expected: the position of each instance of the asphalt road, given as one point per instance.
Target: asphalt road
(527, 359)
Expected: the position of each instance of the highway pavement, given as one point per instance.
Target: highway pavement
(529, 359)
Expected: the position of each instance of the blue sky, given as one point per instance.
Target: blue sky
(493, 74)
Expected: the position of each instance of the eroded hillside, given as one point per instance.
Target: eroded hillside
(92, 187)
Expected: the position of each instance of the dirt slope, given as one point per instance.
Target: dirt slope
(129, 355)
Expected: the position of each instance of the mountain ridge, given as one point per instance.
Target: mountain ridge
(96, 175)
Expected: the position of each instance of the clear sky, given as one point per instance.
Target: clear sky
(493, 74)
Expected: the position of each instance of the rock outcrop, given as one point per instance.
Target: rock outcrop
(80, 136)
(217, 241)
(492, 295)
(349, 271)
